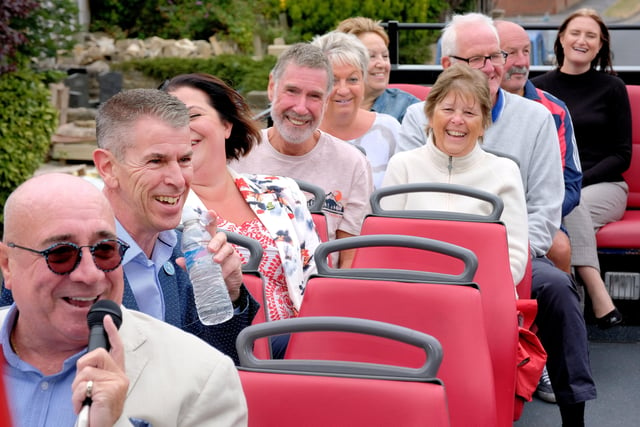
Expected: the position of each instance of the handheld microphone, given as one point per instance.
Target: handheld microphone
(98, 337)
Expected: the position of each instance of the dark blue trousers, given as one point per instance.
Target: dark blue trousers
(562, 331)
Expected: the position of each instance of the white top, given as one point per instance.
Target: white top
(379, 144)
(478, 169)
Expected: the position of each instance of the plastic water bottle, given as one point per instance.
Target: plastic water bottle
(212, 298)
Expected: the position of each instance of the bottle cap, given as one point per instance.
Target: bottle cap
(191, 213)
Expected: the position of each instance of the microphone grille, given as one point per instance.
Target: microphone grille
(100, 309)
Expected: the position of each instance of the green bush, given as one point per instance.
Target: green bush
(241, 72)
(239, 21)
(313, 17)
(27, 122)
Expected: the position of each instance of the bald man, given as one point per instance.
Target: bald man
(60, 255)
(515, 41)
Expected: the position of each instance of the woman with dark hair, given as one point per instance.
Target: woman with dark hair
(601, 114)
(265, 208)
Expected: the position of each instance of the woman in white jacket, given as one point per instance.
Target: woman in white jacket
(458, 109)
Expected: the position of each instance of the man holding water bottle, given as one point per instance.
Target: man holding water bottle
(144, 159)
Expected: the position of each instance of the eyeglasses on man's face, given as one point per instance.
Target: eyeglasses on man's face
(64, 257)
(498, 58)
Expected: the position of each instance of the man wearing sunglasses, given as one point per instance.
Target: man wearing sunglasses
(525, 131)
(144, 159)
(60, 254)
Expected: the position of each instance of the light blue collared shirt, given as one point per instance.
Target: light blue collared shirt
(142, 272)
(394, 102)
(37, 400)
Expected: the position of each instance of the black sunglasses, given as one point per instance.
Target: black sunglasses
(63, 257)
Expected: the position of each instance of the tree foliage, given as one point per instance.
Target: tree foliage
(27, 122)
(11, 37)
(239, 21)
(312, 17)
(31, 29)
(28, 29)
(50, 27)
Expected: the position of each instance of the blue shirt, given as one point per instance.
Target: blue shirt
(142, 272)
(394, 102)
(37, 400)
(497, 108)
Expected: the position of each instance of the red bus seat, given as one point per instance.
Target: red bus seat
(625, 233)
(254, 282)
(486, 237)
(449, 307)
(418, 91)
(341, 393)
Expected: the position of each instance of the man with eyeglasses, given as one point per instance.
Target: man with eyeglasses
(144, 159)
(478, 62)
(525, 131)
(60, 254)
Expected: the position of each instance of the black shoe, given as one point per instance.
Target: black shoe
(609, 320)
(544, 391)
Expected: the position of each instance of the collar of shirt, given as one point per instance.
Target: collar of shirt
(498, 106)
(142, 272)
(36, 399)
(530, 91)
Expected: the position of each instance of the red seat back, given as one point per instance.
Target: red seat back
(632, 175)
(418, 91)
(450, 310)
(625, 233)
(321, 401)
(255, 284)
(5, 415)
(486, 237)
(339, 393)
(319, 219)
(524, 287)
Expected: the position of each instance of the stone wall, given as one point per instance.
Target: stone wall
(95, 54)
(91, 81)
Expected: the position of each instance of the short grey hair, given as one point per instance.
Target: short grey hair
(118, 115)
(345, 49)
(303, 55)
(450, 32)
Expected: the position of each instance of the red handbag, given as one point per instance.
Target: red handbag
(531, 356)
